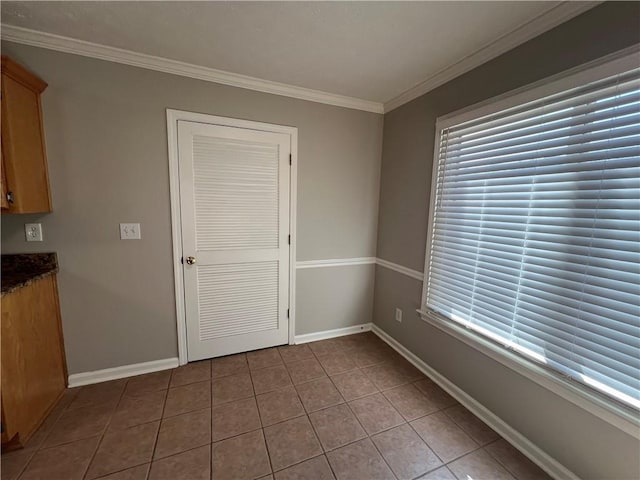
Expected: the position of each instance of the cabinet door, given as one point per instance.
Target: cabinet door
(4, 204)
(24, 155)
(33, 362)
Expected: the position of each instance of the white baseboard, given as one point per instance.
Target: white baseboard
(97, 376)
(338, 332)
(88, 378)
(515, 438)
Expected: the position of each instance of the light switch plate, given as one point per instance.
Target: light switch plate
(130, 231)
(33, 232)
(398, 315)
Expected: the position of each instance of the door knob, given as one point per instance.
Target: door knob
(191, 260)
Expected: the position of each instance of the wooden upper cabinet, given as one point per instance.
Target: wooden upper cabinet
(25, 179)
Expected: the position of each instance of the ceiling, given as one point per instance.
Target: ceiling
(373, 51)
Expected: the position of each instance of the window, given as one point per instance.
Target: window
(534, 240)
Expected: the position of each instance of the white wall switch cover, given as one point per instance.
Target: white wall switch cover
(398, 315)
(130, 231)
(33, 232)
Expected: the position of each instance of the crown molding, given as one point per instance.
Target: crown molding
(551, 18)
(59, 43)
(546, 21)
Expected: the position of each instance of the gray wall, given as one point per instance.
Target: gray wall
(106, 139)
(346, 299)
(590, 447)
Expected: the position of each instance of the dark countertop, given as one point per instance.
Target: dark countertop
(19, 270)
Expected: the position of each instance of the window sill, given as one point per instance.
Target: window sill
(601, 407)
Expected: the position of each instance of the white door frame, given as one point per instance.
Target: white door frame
(176, 223)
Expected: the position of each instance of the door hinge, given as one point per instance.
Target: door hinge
(287, 313)
(290, 159)
(289, 240)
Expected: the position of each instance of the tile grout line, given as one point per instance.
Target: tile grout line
(463, 455)
(333, 472)
(210, 421)
(164, 406)
(433, 470)
(405, 421)
(65, 409)
(190, 449)
(382, 456)
(442, 462)
(441, 410)
(127, 468)
(266, 447)
(250, 431)
(325, 452)
(264, 436)
(39, 447)
(102, 434)
(497, 460)
(362, 369)
(461, 427)
(480, 447)
(67, 442)
(370, 437)
(24, 467)
(104, 430)
(191, 412)
(367, 436)
(323, 408)
(306, 413)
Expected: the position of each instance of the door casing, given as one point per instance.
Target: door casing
(173, 116)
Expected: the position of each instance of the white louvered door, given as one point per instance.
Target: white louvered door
(234, 189)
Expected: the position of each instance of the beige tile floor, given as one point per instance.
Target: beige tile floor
(345, 408)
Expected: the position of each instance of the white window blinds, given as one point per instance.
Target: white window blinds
(534, 240)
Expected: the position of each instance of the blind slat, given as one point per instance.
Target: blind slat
(542, 125)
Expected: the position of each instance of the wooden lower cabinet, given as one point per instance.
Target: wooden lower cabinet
(34, 371)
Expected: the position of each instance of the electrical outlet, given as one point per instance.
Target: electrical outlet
(130, 231)
(33, 232)
(398, 315)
